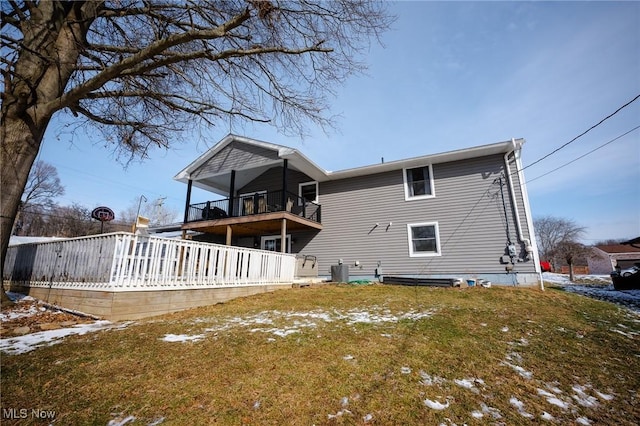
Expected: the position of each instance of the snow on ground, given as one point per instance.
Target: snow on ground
(28, 306)
(604, 291)
(28, 342)
(295, 322)
(434, 389)
(21, 311)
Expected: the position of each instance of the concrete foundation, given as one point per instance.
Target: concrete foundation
(131, 305)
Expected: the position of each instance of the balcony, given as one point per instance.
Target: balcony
(258, 212)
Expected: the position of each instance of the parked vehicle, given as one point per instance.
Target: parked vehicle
(626, 279)
(545, 266)
(630, 271)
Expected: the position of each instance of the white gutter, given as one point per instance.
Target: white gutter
(530, 245)
(528, 216)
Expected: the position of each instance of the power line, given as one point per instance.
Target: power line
(102, 179)
(583, 133)
(584, 155)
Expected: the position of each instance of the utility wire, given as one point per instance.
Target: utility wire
(584, 155)
(584, 133)
(102, 179)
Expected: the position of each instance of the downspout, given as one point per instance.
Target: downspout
(529, 217)
(529, 247)
(512, 192)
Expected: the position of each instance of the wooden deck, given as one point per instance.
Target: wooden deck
(248, 225)
(127, 276)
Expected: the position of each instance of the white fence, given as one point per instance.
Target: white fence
(128, 262)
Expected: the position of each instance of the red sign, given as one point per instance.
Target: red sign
(103, 214)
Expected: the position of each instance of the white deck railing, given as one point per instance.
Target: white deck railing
(128, 262)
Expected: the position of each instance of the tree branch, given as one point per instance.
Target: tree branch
(154, 49)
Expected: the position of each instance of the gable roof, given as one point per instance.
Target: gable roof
(618, 248)
(250, 158)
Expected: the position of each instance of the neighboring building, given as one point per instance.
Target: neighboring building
(461, 213)
(605, 258)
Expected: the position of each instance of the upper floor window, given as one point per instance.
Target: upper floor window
(418, 183)
(308, 191)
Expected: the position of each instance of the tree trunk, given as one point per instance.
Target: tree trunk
(571, 274)
(20, 145)
(53, 35)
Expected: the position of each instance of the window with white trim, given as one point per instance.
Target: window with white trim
(274, 243)
(418, 183)
(424, 239)
(308, 191)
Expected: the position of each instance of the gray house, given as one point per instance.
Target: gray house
(461, 213)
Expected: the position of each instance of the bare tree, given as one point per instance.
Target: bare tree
(43, 186)
(67, 221)
(74, 221)
(551, 231)
(142, 71)
(155, 210)
(570, 251)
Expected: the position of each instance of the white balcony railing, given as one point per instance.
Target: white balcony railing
(128, 262)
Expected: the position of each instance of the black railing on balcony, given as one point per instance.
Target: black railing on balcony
(258, 203)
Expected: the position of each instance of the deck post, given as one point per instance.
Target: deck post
(232, 190)
(283, 236)
(283, 202)
(188, 202)
(228, 242)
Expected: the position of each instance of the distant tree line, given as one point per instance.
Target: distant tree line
(63, 221)
(40, 215)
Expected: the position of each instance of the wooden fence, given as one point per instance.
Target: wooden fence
(121, 262)
(577, 269)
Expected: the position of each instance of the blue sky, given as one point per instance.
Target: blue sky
(450, 75)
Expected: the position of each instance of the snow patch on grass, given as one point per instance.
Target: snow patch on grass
(182, 338)
(435, 405)
(28, 342)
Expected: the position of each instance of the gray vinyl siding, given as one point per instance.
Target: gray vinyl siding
(235, 156)
(271, 180)
(467, 207)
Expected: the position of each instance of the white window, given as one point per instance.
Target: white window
(424, 239)
(274, 243)
(418, 183)
(308, 192)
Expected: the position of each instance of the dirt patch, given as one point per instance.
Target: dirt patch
(29, 315)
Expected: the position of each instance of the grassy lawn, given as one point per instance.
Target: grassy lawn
(344, 354)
